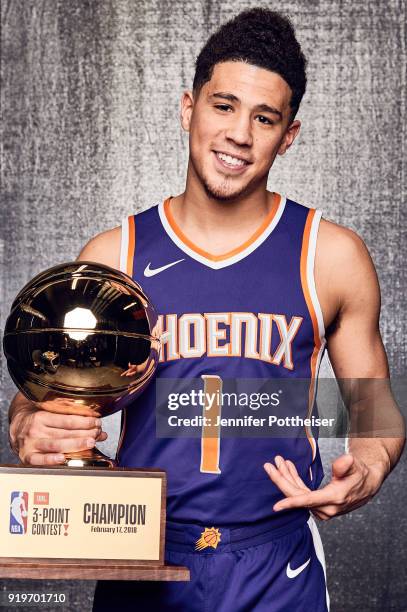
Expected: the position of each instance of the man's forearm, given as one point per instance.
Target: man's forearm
(380, 455)
(377, 427)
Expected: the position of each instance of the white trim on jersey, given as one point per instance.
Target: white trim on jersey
(310, 272)
(319, 551)
(124, 246)
(217, 265)
(310, 267)
(312, 403)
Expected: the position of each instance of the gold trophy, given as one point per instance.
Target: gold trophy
(85, 333)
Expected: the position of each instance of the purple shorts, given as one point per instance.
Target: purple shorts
(250, 569)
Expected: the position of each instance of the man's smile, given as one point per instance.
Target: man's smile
(231, 162)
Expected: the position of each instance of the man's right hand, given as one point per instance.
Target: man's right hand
(40, 437)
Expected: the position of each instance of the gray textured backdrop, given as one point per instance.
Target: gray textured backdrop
(90, 101)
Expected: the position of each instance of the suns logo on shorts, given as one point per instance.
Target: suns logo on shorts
(209, 537)
(18, 512)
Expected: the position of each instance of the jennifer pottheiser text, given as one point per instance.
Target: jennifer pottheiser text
(249, 421)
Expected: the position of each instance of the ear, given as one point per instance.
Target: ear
(289, 136)
(187, 106)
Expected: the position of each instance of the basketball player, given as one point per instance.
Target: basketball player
(247, 284)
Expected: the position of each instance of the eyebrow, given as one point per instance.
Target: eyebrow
(265, 108)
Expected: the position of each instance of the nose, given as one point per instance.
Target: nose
(239, 129)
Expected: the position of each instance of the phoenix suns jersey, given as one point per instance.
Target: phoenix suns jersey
(252, 313)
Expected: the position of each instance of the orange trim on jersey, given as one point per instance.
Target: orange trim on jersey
(242, 247)
(304, 281)
(210, 439)
(210, 455)
(311, 309)
(132, 246)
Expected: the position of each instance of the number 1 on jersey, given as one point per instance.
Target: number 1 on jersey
(210, 441)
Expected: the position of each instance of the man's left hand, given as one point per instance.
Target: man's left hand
(352, 485)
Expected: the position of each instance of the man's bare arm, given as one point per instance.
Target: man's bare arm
(103, 248)
(40, 437)
(359, 361)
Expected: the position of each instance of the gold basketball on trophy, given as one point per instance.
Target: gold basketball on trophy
(86, 333)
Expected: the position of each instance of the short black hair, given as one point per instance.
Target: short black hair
(260, 37)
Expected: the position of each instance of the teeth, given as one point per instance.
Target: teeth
(231, 160)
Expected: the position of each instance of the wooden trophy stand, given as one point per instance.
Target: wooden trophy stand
(84, 523)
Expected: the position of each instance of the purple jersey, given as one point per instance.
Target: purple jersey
(251, 313)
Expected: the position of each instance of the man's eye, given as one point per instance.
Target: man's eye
(265, 120)
(223, 107)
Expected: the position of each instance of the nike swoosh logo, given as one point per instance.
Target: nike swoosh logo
(153, 271)
(293, 573)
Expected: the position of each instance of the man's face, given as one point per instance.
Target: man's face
(238, 123)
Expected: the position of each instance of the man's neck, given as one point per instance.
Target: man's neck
(218, 226)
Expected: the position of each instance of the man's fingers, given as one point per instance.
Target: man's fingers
(319, 497)
(65, 445)
(69, 421)
(44, 459)
(59, 434)
(321, 516)
(61, 405)
(324, 513)
(52, 449)
(283, 469)
(293, 471)
(343, 466)
(286, 486)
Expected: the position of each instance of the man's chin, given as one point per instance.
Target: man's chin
(223, 193)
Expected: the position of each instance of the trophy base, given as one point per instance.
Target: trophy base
(80, 569)
(89, 458)
(106, 524)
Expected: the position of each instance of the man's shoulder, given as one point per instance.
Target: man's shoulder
(344, 270)
(335, 240)
(104, 248)
(339, 243)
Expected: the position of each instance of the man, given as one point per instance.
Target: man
(248, 284)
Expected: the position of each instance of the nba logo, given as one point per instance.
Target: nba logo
(18, 512)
